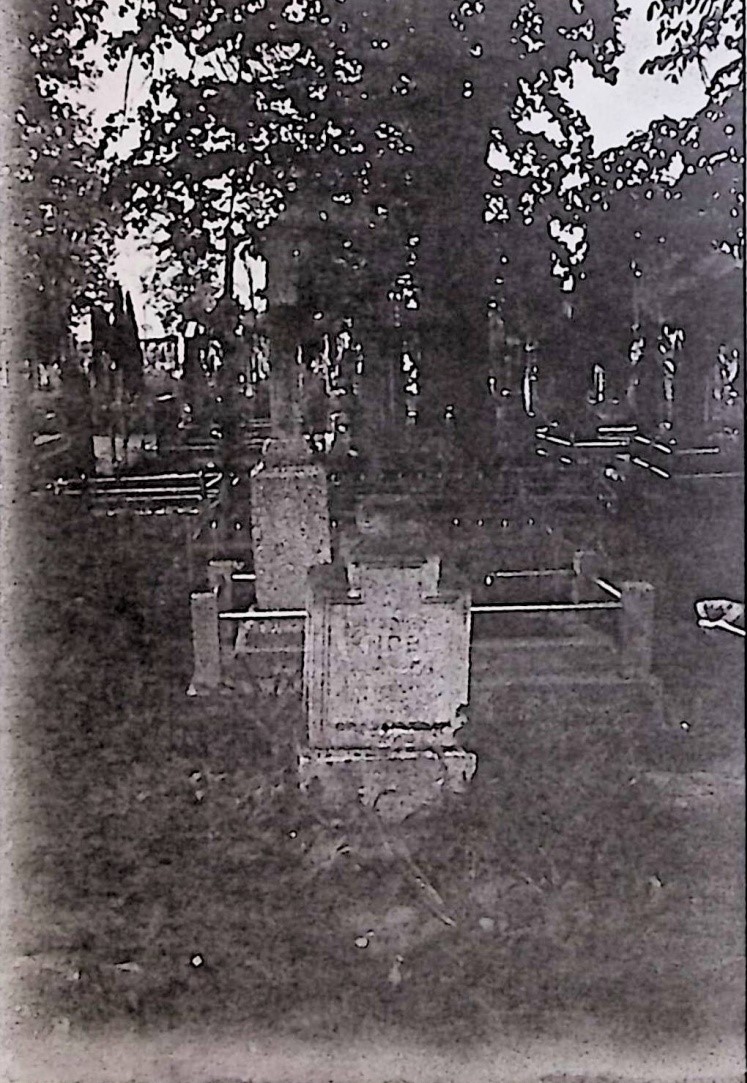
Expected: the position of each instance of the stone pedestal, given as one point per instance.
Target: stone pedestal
(290, 530)
(206, 647)
(587, 567)
(220, 580)
(636, 628)
(290, 516)
(386, 676)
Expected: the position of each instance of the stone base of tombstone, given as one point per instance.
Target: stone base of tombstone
(392, 782)
(273, 635)
(267, 657)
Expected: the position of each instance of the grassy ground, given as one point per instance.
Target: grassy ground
(171, 874)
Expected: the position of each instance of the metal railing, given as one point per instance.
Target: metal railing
(604, 585)
(264, 614)
(545, 607)
(213, 628)
(528, 574)
(530, 607)
(576, 573)
(139, 485)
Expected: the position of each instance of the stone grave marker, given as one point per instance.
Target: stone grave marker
(290, 531)
(386, 669)
(290, 516)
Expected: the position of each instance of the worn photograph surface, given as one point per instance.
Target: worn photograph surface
(372, 379)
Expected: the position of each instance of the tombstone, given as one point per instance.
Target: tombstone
(290, 534)
(290, 516)
(386, 669)
(206, 646)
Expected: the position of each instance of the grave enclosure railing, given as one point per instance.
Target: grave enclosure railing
(209, 540)
(215, 622)
(630, 603)
(643, 457)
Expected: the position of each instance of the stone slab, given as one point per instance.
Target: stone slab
(394, 783)
(388, 664)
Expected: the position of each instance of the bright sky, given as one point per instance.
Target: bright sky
(614, 112)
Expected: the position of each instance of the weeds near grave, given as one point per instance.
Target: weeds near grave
(161, 828)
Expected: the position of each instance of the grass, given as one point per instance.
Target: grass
(163, 833)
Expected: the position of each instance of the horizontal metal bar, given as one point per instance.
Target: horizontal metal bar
(617, 428)
(192, 490)
(649, 466)
(698, 451)
(144, 497)
(604, 585)
(554, 439)
(717, 474)
(263, 614)
(188, 475)
(243, 577)
(601, 443)
(530, 574)
(159, 499)
(565, 607)
(120, 485)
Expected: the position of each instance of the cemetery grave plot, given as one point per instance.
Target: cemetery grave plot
(173, 872)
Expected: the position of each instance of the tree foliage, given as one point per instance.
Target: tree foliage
(693, 32)
(58, 214)
(353, 114)
(645, 225)
(424, 156)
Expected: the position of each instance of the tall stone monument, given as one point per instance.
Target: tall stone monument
(386, 669)
(290, 518)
